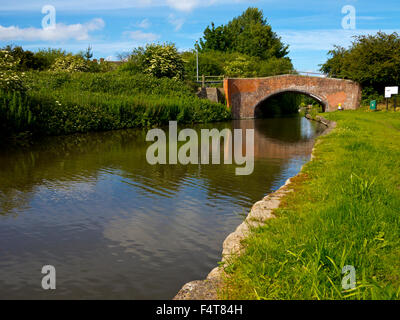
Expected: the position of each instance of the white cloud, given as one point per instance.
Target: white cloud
(369, 18)
(176, 22)
(184, 5)
(323, 39)
(144, 24)
(142, 37)
(89, 5)
(61, 32)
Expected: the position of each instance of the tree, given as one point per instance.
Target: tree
(211, 63)
(88, 53)
(214, 39)
(371, 60)
(248, 34)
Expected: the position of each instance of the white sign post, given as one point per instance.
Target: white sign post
(389, 91)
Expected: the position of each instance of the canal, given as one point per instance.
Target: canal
(116, 227)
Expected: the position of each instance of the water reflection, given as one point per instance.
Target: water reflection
(117, 227)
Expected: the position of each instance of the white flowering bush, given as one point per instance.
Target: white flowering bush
(10, 78)
(157, 60)
(70, 63)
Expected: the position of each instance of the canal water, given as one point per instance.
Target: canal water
(116, 227)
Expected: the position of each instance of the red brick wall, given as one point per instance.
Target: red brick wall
(243, 95)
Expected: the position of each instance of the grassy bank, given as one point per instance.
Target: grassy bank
(64, 103)
(345, 210)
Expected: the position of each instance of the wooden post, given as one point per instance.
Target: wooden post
(203, 81)
(387, 104)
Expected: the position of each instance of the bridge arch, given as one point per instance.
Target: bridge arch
(260, 103)
(244, 95)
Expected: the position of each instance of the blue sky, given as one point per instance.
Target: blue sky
(310, 27)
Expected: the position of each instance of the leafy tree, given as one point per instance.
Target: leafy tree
(234, 64)
(214, 39)
(249, 34)
(371, 60)
(88, 53)
(210, 63)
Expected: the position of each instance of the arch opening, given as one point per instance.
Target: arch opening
(287, 102)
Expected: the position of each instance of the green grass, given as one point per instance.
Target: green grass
(63, 103)
(345, 210)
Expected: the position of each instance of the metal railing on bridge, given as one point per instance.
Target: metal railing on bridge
(210, 80)
(309, 73)
(204, 80)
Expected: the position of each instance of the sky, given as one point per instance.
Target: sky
(110, 27)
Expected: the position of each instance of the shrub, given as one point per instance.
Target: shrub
(70, 63)
(10, 79)
(27, 60)
(240, 67)
(49, 56)
(156, 60)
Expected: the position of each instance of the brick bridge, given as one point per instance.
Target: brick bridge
(244, 96)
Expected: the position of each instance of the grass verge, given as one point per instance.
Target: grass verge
(345, 210)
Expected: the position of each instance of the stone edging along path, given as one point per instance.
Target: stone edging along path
(259, 214)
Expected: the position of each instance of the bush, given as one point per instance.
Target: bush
(10, 79)
(156, 60)
(102, 66)
(27, 60)
(48, 57)
(274, 67)
(239, 68)
(70, 63)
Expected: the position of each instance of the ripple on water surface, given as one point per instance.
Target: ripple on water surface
(115, 226)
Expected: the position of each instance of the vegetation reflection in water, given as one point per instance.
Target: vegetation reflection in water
(115, 226)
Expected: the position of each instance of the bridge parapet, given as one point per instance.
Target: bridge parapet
(244, 95)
